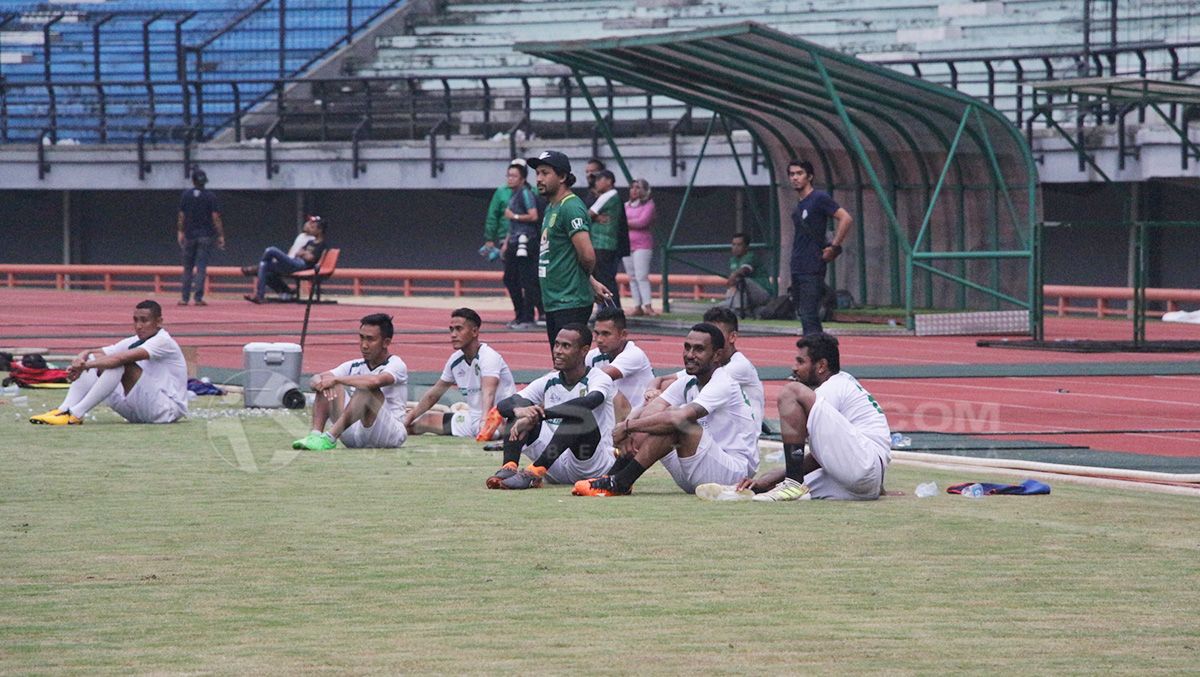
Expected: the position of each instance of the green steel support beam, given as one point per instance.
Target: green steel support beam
(998, 181)
(737, 158)
(857, 147)
(937, 191)
(1139, 284)
(977, 287)
(687, 194)
(660, 67)
(604, 129)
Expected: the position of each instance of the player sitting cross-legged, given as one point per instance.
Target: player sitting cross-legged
(365, 398)
(701, 427)
(477, 369)
(563, 420)
(143, 377)
(847, 433)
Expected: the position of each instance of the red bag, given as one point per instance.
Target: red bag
(27, 376)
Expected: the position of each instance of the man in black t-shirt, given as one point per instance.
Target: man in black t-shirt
(810, 248)
(199, 227)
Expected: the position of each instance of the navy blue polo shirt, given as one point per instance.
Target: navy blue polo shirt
(811, 219)
(198, 206)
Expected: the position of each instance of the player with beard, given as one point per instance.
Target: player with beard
(847, 432)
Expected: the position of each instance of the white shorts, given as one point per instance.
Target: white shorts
(567, 469)
(708, 464)
(462, 424)
(145, 404)
(852, 466)
(388, 432)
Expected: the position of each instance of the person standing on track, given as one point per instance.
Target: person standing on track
(199, 227)
(566, 259)
(811, 251)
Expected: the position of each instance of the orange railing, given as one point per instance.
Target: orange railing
(1099, 298)
(353, 281)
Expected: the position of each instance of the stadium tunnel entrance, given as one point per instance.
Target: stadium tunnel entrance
(942, 187)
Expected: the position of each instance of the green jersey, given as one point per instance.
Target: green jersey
(604, 235)
(758, 272)
(565, 284)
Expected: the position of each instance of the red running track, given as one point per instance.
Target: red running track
(56, 320)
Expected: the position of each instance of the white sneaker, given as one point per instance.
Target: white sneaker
(722, 492)
(787, 490)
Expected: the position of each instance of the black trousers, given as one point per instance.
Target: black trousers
(520, 278)
(807, 292)
(557, 319)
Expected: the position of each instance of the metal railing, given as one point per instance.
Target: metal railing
(271, 38)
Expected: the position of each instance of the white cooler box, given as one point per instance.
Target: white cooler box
(272, 375)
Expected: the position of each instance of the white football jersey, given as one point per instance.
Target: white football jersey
(730, 419)
(636, 372)
(744, 374)
(848, 396)
(395, 395)
(166, 370)
(550, 391)
(468, 376)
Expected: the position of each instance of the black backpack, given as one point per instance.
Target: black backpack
(778, 308)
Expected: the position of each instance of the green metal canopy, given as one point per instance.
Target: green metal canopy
(942, 187)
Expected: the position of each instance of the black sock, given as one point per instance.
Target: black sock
(622, 461)
(793, 459)
(512, 448)
(624, 479)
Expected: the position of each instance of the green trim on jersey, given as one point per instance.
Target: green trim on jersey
(565, 284)
(557, 381)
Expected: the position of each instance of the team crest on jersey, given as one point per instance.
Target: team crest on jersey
(576, 223)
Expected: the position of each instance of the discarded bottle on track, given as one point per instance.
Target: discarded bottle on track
(973, 491)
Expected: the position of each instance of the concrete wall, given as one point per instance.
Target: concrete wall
(374, 228)
(442, 229)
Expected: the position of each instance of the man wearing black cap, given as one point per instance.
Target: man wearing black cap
(566, 258)
(199, 226)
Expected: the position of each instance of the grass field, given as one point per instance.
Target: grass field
(152, 549)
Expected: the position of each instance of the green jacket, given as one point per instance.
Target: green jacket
(495, 228)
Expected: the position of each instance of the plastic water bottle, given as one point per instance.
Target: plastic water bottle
(900, 441)
(973, 491)
(522, 245)
(926, 490)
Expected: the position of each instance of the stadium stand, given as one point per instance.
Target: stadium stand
(141, 52)
(455, 68)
